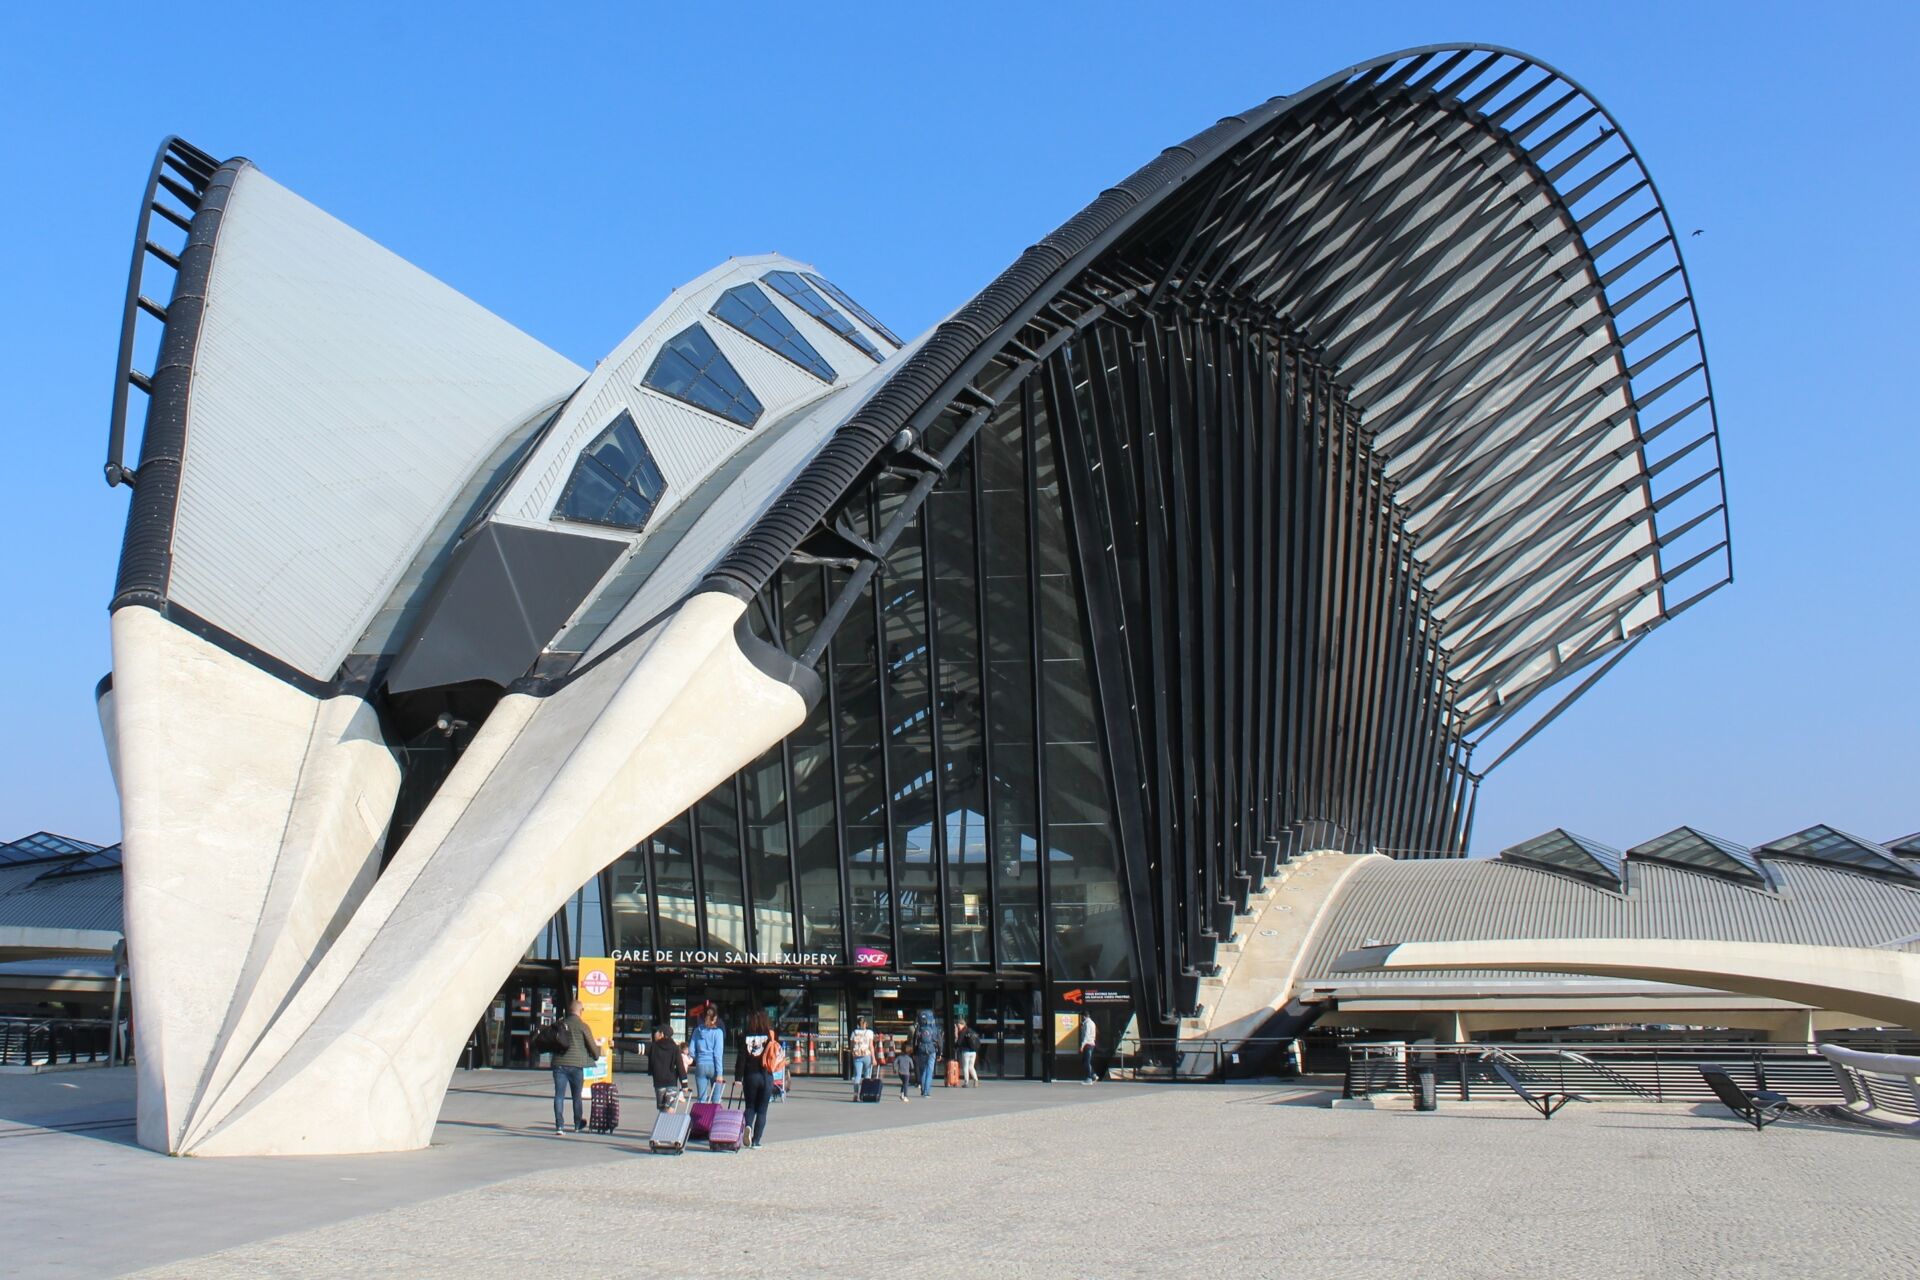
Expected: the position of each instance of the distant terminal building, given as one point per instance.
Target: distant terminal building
(1261, 508)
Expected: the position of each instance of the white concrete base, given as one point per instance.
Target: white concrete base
(291, 1005)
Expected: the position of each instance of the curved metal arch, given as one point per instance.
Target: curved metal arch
(963, 349)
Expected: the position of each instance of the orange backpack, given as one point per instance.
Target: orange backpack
(773, 1057)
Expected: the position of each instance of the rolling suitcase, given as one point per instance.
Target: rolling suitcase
(870, 1090)
(670, 1129)
(728, 1129)
(953, 1073)
(603, 1116)
(702, 1114)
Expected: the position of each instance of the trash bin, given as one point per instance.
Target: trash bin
(1426, 1087)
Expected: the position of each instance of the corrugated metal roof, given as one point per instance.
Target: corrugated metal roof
(342, 398)
(91, 900)
(1387, 901)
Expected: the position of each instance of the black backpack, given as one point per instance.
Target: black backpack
(553, 1038)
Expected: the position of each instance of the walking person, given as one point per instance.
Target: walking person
(761, 1058)
(861, 1042)
(967, 1041)
(926, 1047)
(667, 1067)
(1089, 1041)
(582, 1048)
(708, 1045)
(903, 1063)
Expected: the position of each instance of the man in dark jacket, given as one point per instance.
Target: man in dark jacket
(667, 1066)
(582, 1049)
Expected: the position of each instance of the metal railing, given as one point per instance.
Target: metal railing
(1650, 1072)
(1187, 1061)
(42, 1042)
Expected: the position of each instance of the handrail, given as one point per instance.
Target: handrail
(1659, 1072)
(196, 168)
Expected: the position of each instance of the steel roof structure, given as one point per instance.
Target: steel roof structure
(1363, 429)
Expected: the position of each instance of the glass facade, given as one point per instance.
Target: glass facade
(888, 854)
(943, 757)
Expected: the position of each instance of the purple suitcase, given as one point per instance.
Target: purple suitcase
(728, 1129)
(703, 1113)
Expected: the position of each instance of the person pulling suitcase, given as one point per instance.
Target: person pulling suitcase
(667, 1066)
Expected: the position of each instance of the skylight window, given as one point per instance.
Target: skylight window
(803, 296)
(748, 309)
(615, 482)
(690, 368)
(860, 313)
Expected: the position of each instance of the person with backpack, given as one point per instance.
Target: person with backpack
(903, 1063)
(574, 1047)
(667, 1067)
(926, 1048)
(761, 1059)
(861, 1042)
(708, 1045)
(967, 1041)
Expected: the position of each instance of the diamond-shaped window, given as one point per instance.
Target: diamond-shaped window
(690, 368)
(748, 309)
(803, 295)
(615, 481)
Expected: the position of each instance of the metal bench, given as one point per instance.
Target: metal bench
(1881, 1089)
(1546, 1102)
(1759, 1108)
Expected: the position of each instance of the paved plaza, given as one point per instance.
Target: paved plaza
(1026, 1179)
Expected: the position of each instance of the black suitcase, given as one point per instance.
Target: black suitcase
(603, 1115)
(870, 1090)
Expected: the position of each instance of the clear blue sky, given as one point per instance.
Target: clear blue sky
(568, 167)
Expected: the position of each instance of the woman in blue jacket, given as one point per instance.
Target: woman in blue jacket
(708, 1045)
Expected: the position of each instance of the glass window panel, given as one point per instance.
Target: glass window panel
(723, 895)
(840, 296)
(959, 707)
(814, 791)
(1000, 455)
(628, 899)
(1085, 911)
(910, 733)
(802, 295)
(748, 309)
(863, 793)
(764, 784)
(689, 367)
(615, 481)
(673, 895)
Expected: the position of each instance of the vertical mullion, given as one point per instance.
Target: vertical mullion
(983, 656)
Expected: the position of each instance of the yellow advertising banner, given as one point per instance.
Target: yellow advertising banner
(596, 999)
